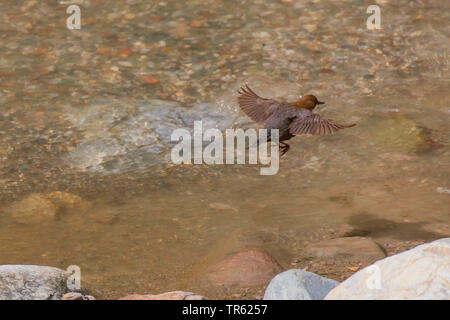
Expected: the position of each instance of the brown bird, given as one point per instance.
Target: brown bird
(291, 118)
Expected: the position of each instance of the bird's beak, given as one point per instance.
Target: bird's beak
(320, 102)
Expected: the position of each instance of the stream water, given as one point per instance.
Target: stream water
(88, 114)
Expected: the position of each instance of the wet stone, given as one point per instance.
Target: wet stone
(358, 248)
(399, 134)
(33, 209)
(120, 136)
(40, 207)
(244, 269)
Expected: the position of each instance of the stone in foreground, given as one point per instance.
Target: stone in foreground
(248, 268)
(173, 295)
(297, 284)
(28, 282)
(420, 273)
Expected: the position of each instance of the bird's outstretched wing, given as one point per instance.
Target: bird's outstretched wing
(315, 124)
(257, 108)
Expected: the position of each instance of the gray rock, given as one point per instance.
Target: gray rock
(125, 135)
(28, 282)
(420, 273)
(297, 284)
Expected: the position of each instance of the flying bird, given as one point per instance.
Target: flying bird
(291, 118)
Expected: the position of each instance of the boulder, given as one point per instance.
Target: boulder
(28, 282)
(420, 273)
(297, 284)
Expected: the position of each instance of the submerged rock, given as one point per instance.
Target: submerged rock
(28, 282)
(420, 273)
(399, 134)
(33, 209)
(358, 248)
(40, 207)
(121, 136)
(66, 200)
(297, 284)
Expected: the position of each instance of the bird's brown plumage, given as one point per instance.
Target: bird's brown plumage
(315, 124)
(291, 119)
(257, 108)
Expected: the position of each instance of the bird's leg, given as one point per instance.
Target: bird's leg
(279, 147)
(283, 149)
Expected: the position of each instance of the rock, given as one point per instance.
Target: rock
(40, 207)
(297, 284)
(420, 273)
(105, 216)
(222, 206)
(28, 282)
(33, 209)
(124, 135)
(443, 190)
(76, 296)
(359, 248)
(244, 269)
(399, 134)
(173, 295)
(65, 200)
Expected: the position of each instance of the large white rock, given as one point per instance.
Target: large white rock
(420, 273)
(28, 282)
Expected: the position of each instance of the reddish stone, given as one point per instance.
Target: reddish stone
(149, 79)
(244, 269)
(125, 52)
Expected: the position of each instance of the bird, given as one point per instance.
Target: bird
(291, 118)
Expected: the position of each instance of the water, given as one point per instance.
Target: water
(76, 106)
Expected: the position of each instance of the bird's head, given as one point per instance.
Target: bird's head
(308, 101)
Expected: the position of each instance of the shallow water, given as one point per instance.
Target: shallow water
(76, 106)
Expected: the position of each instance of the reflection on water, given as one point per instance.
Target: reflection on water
(143, 228)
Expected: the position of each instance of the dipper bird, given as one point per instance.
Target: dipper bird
(291, 118)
